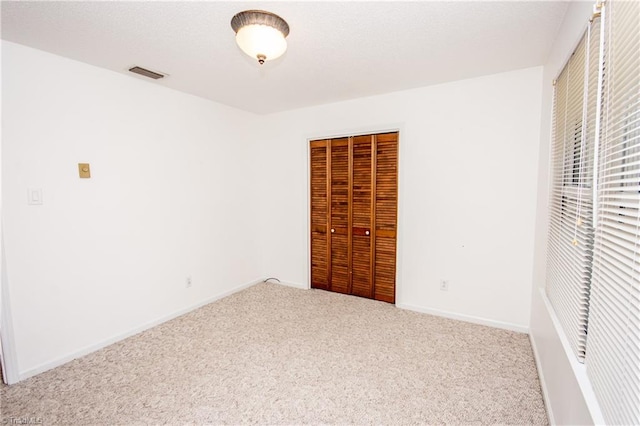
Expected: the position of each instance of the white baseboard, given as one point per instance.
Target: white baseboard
(543, 383)
(466, 318)
(96, 346)
(294, 285)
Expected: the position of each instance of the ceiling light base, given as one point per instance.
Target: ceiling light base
(260, 34)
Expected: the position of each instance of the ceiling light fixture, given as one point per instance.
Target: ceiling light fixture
(260, 34)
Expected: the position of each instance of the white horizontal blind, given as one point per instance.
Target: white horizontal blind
(613, 351)
(570, 246)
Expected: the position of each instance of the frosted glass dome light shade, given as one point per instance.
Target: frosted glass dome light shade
(260, 34)
(261, 40)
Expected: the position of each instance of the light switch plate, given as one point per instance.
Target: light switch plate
(34, 196)
(84, 170)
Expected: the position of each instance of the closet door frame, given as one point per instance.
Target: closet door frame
(372, 248)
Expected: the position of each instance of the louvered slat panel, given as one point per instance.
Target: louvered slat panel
(386, 216)
(385, 269)
(387, 181)
(361, 268)
(361, 218)
(319, 267)
(339, 215)
(339, 263)
(362, 181)
(319, 215)
(319, 185)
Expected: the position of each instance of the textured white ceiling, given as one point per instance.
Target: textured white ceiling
(337, 50)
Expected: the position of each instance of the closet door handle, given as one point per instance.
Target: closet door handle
(333, 230)
(366, 232)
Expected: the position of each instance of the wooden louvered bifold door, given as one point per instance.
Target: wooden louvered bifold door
(354, 196)
(386, 216)
(319, 215)
(339, 216)
(361, 274)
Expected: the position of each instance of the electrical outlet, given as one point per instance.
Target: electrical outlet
(444, 285)
(188, 282)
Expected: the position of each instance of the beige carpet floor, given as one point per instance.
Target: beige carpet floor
(277, 355)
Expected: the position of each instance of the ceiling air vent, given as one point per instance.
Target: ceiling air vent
(146, 73)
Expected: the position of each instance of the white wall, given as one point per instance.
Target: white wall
(174, 193)
(468, 179)
(568, 394)
(171, 195)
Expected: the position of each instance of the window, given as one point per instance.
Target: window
(613, 345)
(570, 248)
(595, 287)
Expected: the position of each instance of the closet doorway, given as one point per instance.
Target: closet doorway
(354, 205)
